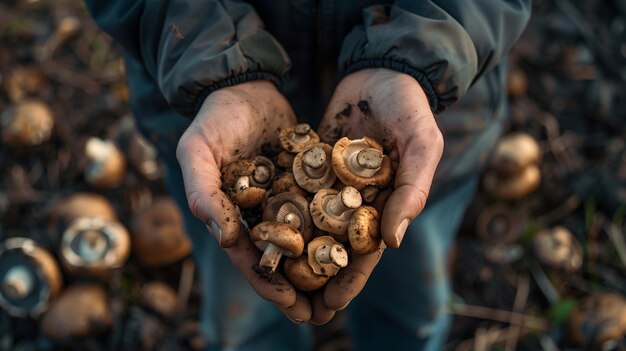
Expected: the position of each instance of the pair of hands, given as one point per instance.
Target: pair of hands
(238, 121)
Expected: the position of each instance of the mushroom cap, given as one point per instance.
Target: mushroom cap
(316, 156)
(517, 83)
(363, 231)
(296, 138)
(345, 148)
(558, 248)
(282, 235)
(79, 205)
(20, 82)
(497, 224)
(158, 234)
(285, 159)
(263, 173)
(279, 206)
(40, 265)
(327, 221)
(94, 246)
(160, 298)
(328, 269)
(512, 187)
(301, 275)
(247, 195)
(514, 152)
(27, 123)
(601, 316)
(107, 166)
(286, 182)
(81, 310)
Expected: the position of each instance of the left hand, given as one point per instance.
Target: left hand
(392, 108)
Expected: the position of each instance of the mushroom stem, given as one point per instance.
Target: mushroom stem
(334, 254)
(17, 283)
(348, 199)
(242, 183)
(314, 162)
(366, 162)
(261, 174)
(271, 257)
(293, 219)
(92, 245)
(301, 133)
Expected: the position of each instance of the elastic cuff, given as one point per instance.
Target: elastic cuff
(201, 95)
(400, 66)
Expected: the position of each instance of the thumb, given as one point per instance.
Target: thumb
(202, 178)
(419, 158)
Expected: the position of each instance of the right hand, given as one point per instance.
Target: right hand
(234, 123)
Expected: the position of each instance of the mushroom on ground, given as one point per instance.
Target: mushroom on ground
(107, 164)
(160, 298)
(514, 152)
(558, 248)
(80, 311)
(517, 83)
(295, 139)
(286, 182)
(141, 154)
(28, 123)
(158, 234)
(326, 256)
(29, 278)
(82, 205)
(22, 82)
(598, 320)
(93, 246)
(331, 209)
(363, 231)
(276, 240)
(312, 168)
(301, 275)
(361, 163)
(512, 187)
(496, 224)
(238, 179)
(290, 208)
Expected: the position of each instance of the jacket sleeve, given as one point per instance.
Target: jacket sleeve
(445, 44)
(192, 48)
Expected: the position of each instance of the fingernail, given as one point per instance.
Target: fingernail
(295, 320)
(399, 235)
(215, 230)
(344, 306)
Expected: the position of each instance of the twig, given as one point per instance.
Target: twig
(518, 306)
(560, 212)
(494, 336)
(543, 282)
(473, 311)
(616, 236)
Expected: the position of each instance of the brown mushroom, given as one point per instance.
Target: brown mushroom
(512, 187)
(312, 169)
(28, 123)
(237, 181)
(290, 208)
(301, 275)
(94, 246)
(517, 83)
(158, 234)
(514, 152)
(107, 165)
(331, 209)
(363, 230)
(263, 172)
(276, 240)
(160, 298)
(286, 183)
(598, 320)
(141, 154)
(361, 162)
(558, 248)
(496, 224)
(326, 256)
(285, 159)
(21, 82)
(295, 139)
(81, 205)
(29, 278)
(80, 311)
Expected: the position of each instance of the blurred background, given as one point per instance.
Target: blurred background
(541, 255)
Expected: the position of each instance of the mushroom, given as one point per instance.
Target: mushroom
(107, 165)
(20, 82)
(326, 256)
(312, 169)
(160, 298)
(29, 278)
(81, 310)
(158, 234)
(331, 209)
(263, 173)
(28, 123)
(514, 153)
(301, 275)
(598, 320)
(517, 83)
(363, 230)
(361, 162)
(93, 246)
(285, 159)
(238, 182)
(275, 240)
(512, 187)
(82, 205)
(286, 183)
(497, 225)
(292, 209)
(296, 138)
(558, 248)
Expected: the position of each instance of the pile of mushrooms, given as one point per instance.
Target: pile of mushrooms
(318, 203)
